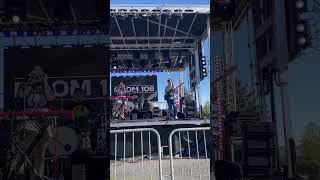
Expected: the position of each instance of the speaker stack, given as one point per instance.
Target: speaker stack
(191, 109)
(257, 152)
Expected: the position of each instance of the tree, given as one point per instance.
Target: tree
(244, 96)
(309, 158)
(206, 110)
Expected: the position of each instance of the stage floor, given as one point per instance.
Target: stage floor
(158, 122)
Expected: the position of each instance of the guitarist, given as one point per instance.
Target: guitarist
(169, 97)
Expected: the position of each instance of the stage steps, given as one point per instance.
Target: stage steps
(257, 152)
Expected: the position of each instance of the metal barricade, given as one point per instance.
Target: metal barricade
(192, 159)
(132, 167)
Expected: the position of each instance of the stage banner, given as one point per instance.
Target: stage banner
(53, 77)
(144, 87)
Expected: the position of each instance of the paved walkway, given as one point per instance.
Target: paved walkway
(184, 169)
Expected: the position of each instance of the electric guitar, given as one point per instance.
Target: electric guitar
(167, 95)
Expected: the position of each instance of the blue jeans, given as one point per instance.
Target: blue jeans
(172, 107)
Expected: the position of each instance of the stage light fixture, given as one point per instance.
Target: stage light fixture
(178, 13)
(133, 15)
(205, 74)
(145, 13)
(300, 4)
(302, 41)
(114, 58)
(204, 61)
(298, 28)
(114, 55)
(16, 10)
(156, 15)
(114, 64)
(123, 16)
(168, 13)
(16, 18)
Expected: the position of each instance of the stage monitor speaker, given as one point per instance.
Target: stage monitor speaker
(191, 103)
(259, 148)
(181, 115)
(191, 108)
(164, 113)
(148, 115)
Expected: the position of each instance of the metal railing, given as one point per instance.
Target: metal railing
(125, 166)
(191, 154)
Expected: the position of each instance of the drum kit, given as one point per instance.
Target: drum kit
(63, 142)
(90, 141)
(123, 106)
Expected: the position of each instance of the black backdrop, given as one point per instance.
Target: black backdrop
(145, 86)
(66, 68)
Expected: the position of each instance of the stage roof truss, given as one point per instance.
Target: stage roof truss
(161, 27)
(56, 14)
(144, 28)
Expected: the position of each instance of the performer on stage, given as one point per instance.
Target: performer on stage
(37, 94)
(169, 97)
(36, 91)
(121, 91)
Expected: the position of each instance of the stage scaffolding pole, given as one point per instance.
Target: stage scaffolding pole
(197, 88)
(229, 63)
(181, 89)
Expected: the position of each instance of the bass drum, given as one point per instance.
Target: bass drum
(66, 141)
